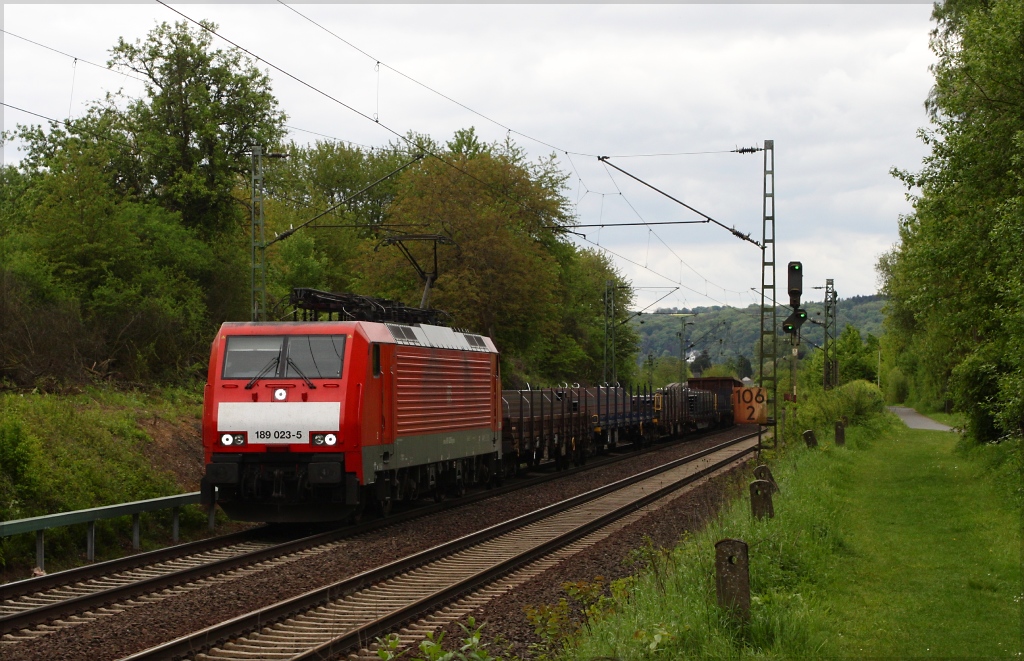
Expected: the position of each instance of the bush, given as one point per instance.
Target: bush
(820, 409)
(897, 387)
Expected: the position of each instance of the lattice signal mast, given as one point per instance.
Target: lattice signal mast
(769, 334)
(831, 371)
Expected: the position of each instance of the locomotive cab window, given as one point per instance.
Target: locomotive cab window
(375, 359)
(288, 356)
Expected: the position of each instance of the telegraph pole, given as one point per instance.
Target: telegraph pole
(258, 305)
(259, 242)
(609, 325)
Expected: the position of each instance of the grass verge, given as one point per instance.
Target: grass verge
(955, 420)
(896, 546)
(67, 452)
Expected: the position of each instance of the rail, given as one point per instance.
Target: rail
(39, 524)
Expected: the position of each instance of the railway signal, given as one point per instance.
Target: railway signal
(796, 284)
(794, 321)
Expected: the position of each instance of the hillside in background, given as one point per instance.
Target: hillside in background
(727, 333)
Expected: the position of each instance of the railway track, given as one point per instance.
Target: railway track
(39, 606)
(345, 616)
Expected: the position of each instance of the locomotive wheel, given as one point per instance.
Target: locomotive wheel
(384, 507)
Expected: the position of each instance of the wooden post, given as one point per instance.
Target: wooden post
(840, 433)
(732, 577)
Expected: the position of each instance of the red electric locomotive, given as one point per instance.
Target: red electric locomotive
(311, 421)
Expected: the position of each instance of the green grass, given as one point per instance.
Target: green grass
(67, 452)
(896, 546)
(934, 564)
(949, 419)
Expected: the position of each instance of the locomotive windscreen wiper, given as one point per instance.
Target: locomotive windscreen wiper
(299, 372)
(273, 363)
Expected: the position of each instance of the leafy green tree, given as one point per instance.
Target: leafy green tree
(743, 367)
(120, 237)
(955, 280)
(508, 275)
(702, 362)
(204, 111)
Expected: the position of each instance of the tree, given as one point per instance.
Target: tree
(205, 110)
(701, 363)
(955, 280)
(509, 274)
(743, 367)
(121, 242)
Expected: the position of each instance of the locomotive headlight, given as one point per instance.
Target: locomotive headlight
(280, 394)
(227, 439)
(318, 439)
(239, 439)
(330, 439)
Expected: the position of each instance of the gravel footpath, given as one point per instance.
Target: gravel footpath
(153, 623)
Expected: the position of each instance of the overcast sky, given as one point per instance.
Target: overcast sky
(839, 88)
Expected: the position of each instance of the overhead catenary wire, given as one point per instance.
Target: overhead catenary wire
(66, 124)
(732, 230)
(118, 72)
(376, 121)
(73, 57)
(379, 63)
(400, 136)
(660, 275)
(663, 242)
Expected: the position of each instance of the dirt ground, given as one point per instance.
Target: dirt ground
(177, 448)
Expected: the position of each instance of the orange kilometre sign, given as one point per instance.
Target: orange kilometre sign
(748, 406)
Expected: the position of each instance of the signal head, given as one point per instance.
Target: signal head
(796, 283)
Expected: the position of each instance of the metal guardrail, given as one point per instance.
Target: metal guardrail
(39, 524)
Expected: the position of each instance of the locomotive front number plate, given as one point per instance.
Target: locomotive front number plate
(278, 422)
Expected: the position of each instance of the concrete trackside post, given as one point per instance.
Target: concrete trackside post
(761, 499)
(840, 433)
(762, 472)
(810, 439)
(732, 577)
